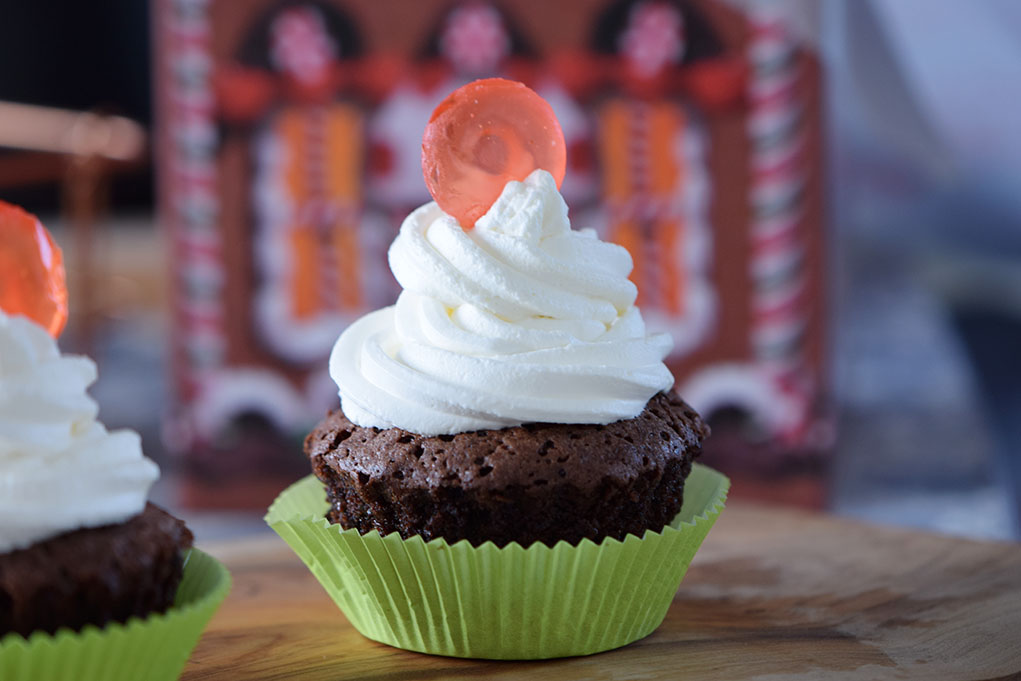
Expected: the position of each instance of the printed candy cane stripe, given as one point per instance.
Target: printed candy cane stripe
(200, 306)
(769, 266)
(189, 31)
(192, 226)
(769, 236)
(193, 188)
(778, 185)
(205, 350)
(774, 89)
(776, 196)
(202, 318)
(787, 158)
(782, 305)
(192, 175)
(775, 60)
(194, 139)
(196, 204)
(781, 298)
(188, 12)
(774, 125)
(771, 272)
(190, 67)
(197, 101)
(784, 235)
(196, 245)
(780, 340)
(779, 301)
(770, 49)
(192, 109)
(205, 327)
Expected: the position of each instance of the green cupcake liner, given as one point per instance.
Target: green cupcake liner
(499, 603)
(155, 648)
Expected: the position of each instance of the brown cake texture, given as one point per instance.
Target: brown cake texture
(94, 575)
(536, 482)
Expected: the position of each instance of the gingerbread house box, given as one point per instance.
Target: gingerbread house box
(289, 142)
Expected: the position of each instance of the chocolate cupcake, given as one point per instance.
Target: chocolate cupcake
(509, 475)
(78, 543)
(535, 482)
(95, 583)
(94, 575)
(511, 394)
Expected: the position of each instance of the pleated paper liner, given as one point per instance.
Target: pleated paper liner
(499, 603)
(151, 649)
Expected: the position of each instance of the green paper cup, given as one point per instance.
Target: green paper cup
(499, 603)
(154, 648)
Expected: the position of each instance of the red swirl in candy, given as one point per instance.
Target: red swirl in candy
(484, 135)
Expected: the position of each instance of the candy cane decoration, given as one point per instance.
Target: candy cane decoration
(192, 188)
(780, 312)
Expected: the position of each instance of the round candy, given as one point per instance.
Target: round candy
(482, 136)
(31, 271)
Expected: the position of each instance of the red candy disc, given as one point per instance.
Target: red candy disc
(31, 271)
(482, 136)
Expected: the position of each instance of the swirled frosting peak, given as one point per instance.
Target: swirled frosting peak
(519, 320)
(60, 469)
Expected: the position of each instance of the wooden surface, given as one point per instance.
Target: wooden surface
(771, 595)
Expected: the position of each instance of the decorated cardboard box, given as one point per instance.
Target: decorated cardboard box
(289, 154)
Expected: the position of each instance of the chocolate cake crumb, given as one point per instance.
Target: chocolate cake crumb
(94, 575)
(534, 482)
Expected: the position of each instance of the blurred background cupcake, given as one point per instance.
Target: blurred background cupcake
(91, 575)
(78, 542)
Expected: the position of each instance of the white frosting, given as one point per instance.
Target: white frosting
(60, 469)
(519, 320)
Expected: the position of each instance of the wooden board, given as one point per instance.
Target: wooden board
(772, 595)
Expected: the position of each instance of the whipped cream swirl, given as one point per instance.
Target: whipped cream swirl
(519, 320)
(60, 469)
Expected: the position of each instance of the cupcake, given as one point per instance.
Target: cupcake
(78, 542)
(507, 433)
(81, 550)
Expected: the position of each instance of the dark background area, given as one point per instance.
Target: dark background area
(82, 56)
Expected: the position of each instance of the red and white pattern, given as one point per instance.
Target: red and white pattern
(210, 392)
(475, 39)
(301, 46)
(654, 38)
(192, 207)
(278, 212)
(779, 168)
(686, 206)
(192, 192)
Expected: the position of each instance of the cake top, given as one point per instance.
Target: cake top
(519, 319)
(527, 457)
(60, 469)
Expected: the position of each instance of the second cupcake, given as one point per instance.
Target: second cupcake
(95, 583)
